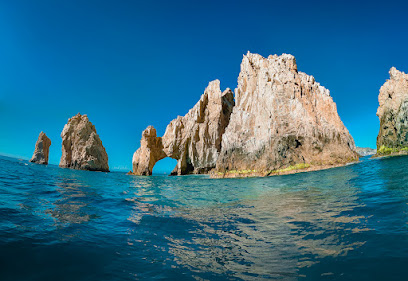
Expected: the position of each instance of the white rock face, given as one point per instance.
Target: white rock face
(194, 139)
(42, 148)
(82, 148)
(282, 117)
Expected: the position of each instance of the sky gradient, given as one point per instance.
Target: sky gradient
(130, 64)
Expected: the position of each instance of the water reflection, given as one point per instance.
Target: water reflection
(281, 226)
(309, 226)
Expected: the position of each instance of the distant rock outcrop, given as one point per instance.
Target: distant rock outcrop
(194, 139)
(393, 114)
(365, 151)
(42, 148)
(283, 120)
(82, 148)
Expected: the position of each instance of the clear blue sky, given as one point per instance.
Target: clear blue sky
(130, 64)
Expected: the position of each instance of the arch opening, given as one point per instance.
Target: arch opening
(164, 166)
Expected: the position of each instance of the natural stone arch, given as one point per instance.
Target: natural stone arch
(149, 153)
(194, 140)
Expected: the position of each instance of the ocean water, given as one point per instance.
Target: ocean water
(348, 223)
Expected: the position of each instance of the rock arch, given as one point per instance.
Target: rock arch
(194, 140)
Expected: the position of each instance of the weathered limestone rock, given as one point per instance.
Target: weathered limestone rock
(82, 148)
(393, 114)
(282, 119)
(42, 148)
(194, 139)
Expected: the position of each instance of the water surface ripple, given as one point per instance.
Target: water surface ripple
(347, 223)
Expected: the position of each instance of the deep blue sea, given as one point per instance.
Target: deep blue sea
(348, 223)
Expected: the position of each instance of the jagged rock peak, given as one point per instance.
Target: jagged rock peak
(285, 60)
(194, 139)
(42, 148)
(395, 74)
(82, 148)
(393, 114)
(282, 117)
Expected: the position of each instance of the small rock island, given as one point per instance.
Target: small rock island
(82, 148)
(42, 148)
(392, 138)
(281, 121)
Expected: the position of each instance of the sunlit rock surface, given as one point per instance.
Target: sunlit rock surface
(42, 148)
(194, 140)
(282, 121)
(82, 148)
(393, 114)
(282, 118)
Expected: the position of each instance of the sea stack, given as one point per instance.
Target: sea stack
(283, 121)
(393, 114)
(82, 148)
(194, 140)
(42, 148)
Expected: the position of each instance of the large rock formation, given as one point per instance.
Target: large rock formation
(42, 148)
(283, 120)
(393, 114)
(82, 148)
(194, 139)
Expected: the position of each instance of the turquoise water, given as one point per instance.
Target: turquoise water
(347, 223)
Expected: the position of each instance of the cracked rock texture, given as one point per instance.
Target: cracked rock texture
(393, 112)
(282, 117)
(42, 148)
(194, 140)
(82, 148)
